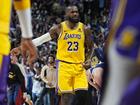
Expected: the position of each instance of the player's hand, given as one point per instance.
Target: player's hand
(87, 64)
(15, 51)
(28, 49)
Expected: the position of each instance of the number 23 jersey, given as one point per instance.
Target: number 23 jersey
(71, 44)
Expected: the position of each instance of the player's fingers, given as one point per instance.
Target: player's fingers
(33, 56)
(32, 59)
(24, 54)
(30, 48)
(12, 52)
(31, 62)
(15, 51)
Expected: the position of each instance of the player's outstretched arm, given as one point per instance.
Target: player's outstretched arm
(52, 34)
(24, 13)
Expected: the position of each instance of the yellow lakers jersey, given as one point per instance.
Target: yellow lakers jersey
(5, 9)
(5, 12)
(71, 44)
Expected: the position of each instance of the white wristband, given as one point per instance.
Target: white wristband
(42, 39)
(25, 22)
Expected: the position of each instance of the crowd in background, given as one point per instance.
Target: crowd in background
(46, 13)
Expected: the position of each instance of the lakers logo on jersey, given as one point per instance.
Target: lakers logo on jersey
(67, 35)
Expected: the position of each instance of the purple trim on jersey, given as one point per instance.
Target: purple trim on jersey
(132, 94)
(114, 5)
(3, 80)
(130, 19)
(129, 52)
(57, 64)
(131, 15)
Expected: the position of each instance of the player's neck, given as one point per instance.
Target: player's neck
(71, 25)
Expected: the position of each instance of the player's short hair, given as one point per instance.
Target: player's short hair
(69, 7)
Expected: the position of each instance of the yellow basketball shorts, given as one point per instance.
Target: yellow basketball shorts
(71, 77)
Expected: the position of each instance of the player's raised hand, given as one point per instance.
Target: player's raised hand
(28, 50)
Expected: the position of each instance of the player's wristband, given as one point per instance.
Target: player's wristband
(42, 39)
(25, 22)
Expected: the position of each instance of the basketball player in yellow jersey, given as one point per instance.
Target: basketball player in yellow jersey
(23, 11)
(73, 40)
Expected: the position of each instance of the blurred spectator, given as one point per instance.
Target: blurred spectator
(37, 87)
(48, 75)
(17, 93)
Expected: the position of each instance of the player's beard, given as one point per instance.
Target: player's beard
(72, 20)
